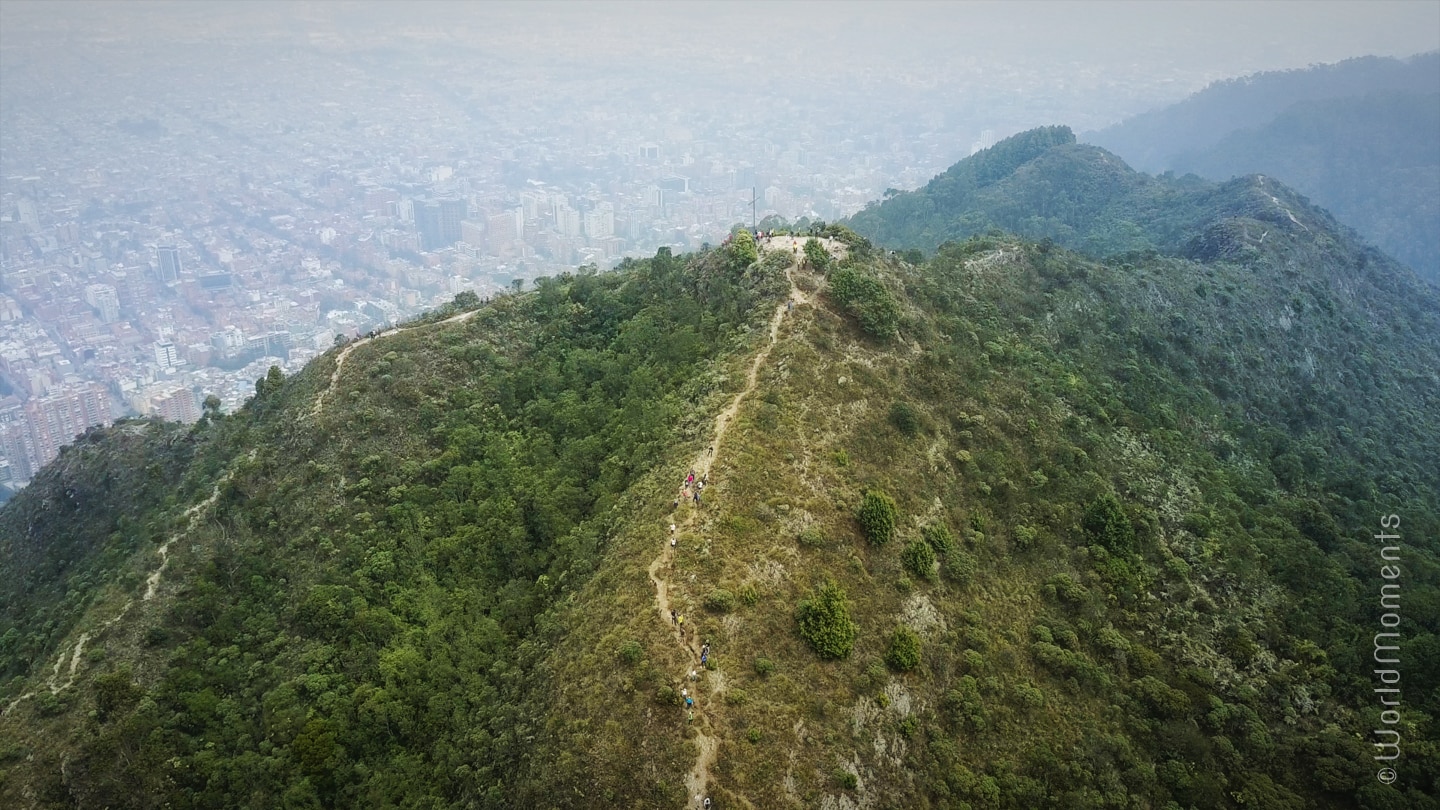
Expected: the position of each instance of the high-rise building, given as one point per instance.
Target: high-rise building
(105, 301)
(56, 419)
(439, 221)
(169, 261)
(166, 355)
(600, 221)
(29, 214)
(472, 233)
(169, 401)
(567, 220)
(532, 202)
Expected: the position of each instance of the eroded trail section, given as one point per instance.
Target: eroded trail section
(152, 583)
(707, 741)
(352, 346)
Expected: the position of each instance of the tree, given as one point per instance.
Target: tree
(1106, 524)
(877, 517)
(904, 652)
(816, 255)
(824, 619)
(272, 382)
(742, 248)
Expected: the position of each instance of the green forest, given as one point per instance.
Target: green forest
(1358, 137)
(1083, 517)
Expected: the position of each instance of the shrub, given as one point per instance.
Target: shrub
(1066, 589)
(631, 652)
(667, 696)
(753, 735)
(846, 779)
(919, 559)
(764, 666)
(1028, 695)
(749, 595)
(959, 567)
(904, 652)
(940, 538)
(812, 537)
(964, 705)
(877, 517)
(865, 297)
(1025, 538)
(904, 418)
(824, 619)
(720, 601)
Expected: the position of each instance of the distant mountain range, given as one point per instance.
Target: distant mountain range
(1361, 138)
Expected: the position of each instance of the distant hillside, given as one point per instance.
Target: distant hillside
(1011, 528)
(1044, 186)
(1151, 141)
(1361, 138)
(1373, 161)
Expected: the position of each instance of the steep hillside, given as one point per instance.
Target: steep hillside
(1361, 138)
(1374, 161)
(1011, 528)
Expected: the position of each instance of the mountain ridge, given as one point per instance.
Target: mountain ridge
(1013, 527)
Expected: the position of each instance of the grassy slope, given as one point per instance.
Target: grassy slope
(1033, 403)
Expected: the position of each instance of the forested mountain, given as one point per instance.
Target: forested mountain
(1008, 528)
(1151, 141)
(1361, 138)
(1374, 161)
(1043, 185)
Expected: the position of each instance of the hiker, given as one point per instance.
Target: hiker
(689, 702)
(675, 504)
(672, 618)
(697, 497)
(672, 541)
(712, 452)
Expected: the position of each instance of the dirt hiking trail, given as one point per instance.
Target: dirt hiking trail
(707, 741)
(152, 583)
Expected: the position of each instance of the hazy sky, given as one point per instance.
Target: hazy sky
(1226, 35)
(1003, 66)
